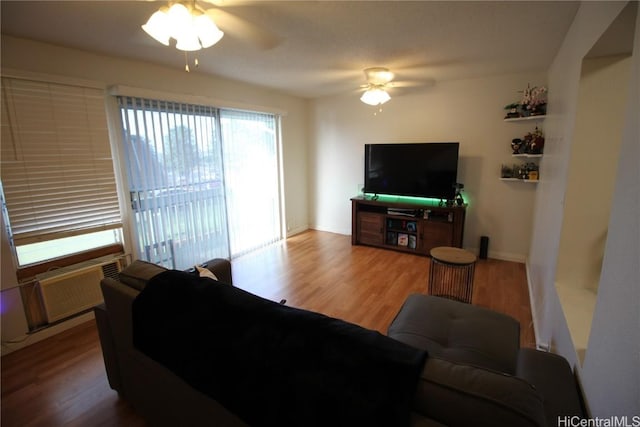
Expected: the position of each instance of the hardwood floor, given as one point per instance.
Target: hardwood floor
(61, 381)
(323, 272)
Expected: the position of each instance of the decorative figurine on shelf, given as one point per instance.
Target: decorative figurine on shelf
(516, 145)
(512, 110)
(506, 171)
(523, 172)
(534, 101)
(458, 197)
(532, 171)
(535, 141)
(528, 171)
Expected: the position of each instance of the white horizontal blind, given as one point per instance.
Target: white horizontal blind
(57, 170)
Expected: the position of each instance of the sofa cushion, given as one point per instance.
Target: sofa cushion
(458, 332)
(461, 395)
(138, 273)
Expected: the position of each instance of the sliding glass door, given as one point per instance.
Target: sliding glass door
(198, 180)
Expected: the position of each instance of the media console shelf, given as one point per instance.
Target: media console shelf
(413, 227)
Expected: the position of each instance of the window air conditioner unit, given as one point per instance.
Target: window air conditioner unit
(69, 290)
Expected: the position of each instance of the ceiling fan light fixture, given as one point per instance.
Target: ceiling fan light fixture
(189, 26)
(375, 96)
(180, 20)
(188, 42)
(208, 32)
(158, 27)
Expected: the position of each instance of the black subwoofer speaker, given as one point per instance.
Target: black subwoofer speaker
(484, 247)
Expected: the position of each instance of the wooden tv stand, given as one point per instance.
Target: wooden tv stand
(413, 227)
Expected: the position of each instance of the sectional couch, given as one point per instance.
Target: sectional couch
(474, 373)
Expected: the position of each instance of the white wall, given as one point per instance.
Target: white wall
(25, 56)
(611, 372)
(468, 111)
(602, 103)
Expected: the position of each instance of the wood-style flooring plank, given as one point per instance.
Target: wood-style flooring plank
(61, 381)
(322, 272)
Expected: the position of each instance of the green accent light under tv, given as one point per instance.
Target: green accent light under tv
(406, 199)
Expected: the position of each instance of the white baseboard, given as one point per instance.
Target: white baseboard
(534, 312)
(297, 230)
(503, 256)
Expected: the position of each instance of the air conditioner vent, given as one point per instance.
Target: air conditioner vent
(111, 270)
(70, 290)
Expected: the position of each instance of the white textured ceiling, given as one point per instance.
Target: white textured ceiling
(320, 47)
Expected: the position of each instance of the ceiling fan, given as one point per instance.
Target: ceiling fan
(380, 81)
(194, 27)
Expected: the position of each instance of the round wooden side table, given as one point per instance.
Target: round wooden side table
(451, 273)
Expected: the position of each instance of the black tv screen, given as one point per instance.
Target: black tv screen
(419, 169)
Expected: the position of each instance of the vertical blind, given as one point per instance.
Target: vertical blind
(203, 182)
(57, 169)
(250, 157)
(175, 181)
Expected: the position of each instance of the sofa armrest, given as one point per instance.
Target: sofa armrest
(108, 347)
(221, 268)
(552, 376)
(139, 272)
(462, 395)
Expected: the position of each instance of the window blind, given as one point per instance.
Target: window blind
(57, 170)
(204, 182)
(175, 180)
(252, 173)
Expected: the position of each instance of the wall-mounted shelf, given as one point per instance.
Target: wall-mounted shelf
(525, 119)
(529, 156)
(529, 162)
(530, 181)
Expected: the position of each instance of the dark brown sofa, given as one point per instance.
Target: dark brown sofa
(475, 373)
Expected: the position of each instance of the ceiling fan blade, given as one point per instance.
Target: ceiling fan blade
(243, 29)
(415, 83)
(229, 3)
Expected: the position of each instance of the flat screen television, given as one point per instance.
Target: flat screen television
(417, 169)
